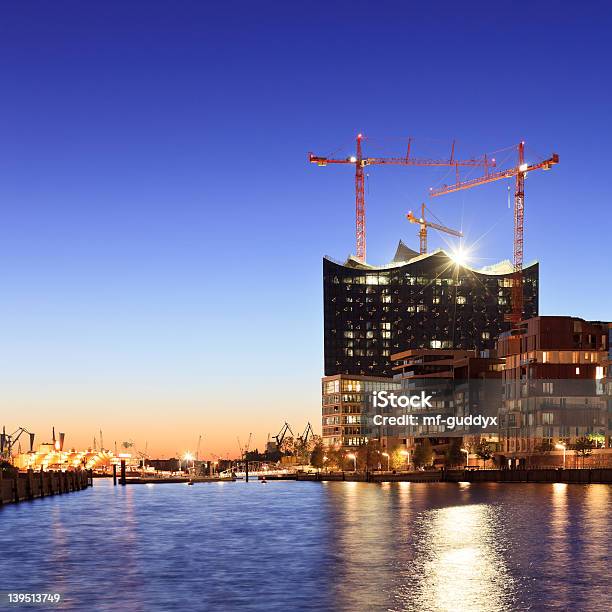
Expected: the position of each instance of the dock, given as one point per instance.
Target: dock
(174, 480)
(22, 486)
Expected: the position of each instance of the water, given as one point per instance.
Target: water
(319, 546)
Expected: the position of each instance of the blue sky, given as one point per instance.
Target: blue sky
(161, 231)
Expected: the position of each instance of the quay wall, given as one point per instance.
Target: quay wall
(577, 476)
(23, 486)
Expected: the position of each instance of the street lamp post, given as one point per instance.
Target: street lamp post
(467, 457)
(561, 446)
(406, 454)
(387, 456)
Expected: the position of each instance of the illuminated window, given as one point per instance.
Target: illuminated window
(461, 299)
(577, 370)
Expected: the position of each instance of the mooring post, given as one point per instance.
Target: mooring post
(115, 474)
(122, 481)
(246, 471)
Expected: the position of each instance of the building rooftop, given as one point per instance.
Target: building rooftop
(405, 255)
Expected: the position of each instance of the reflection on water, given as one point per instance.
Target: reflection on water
(301, 546)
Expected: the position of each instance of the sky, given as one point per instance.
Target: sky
(162, 232)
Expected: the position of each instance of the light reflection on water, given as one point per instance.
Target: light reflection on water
(300, 546)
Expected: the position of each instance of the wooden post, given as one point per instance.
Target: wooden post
(114, 474)
(30, 484)
(122, 481)
(246, 471)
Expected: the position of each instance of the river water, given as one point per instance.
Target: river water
(314, 546)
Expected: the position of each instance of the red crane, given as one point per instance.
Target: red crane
(519, 172)
(361, 162)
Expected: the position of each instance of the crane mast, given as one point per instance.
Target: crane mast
(424, 224)
(360, 162)
(518, 173)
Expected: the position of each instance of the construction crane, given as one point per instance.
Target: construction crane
(424, 224)
(518, 172)
(360, 162)
(244, 449)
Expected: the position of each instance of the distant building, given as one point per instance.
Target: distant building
(345, 407)
(414, 302)
(554, 388)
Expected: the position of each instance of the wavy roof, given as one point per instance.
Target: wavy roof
(405, 255)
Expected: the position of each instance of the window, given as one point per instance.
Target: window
(485, 335)
(547, 387)
(577, 371)
(547, 418)
(461, 299)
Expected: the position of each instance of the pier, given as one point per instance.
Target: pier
(23, 486)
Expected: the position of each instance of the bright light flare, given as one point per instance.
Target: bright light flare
(460, 256)
(188, 457)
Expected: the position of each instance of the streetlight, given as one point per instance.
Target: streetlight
(354, 458)
(467, 457)
(561, 446)
(187, 457)
(387, 456)
(406, 454)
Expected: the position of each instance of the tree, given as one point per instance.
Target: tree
(368, 455)
(583, 447)
(423, 453)
(287, 446)
(453, 454)
(484, 451)
(545, 448)
(317, 456)
(336, 458)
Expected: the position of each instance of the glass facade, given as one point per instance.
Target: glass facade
(426, 302)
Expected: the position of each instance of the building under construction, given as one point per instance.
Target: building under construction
(417, 301)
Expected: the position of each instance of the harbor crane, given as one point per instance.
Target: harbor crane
(303, 439)
(7, 441)
(280, 436)
(424, 224)
(517, 172)
(360, 162)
